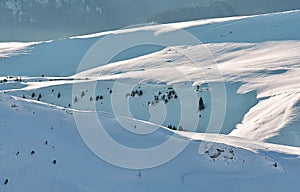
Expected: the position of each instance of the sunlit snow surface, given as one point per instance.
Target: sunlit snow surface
(258, 59)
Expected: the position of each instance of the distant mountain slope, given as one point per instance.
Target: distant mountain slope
(31, 20)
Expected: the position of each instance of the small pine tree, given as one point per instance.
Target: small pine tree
(33, 95)
(58, 95)
(201, 104)
(180, 128)
(82, 94)
(39, 97)
(91, 98)
(75, 99)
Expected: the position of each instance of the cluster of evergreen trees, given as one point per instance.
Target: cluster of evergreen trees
(165, 97)
(17, 79)
(33, 95)
(136, 93)
(173, 127)
(98, 97)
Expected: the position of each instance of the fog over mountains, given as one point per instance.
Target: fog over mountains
(32, 20)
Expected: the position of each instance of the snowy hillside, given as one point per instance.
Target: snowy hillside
(62, 162)
(32, 20)
(160, 108)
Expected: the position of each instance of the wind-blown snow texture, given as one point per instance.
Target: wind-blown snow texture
(259, 59)
(32, 20)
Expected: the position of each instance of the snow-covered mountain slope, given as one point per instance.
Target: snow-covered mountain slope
(32, 20)
(50, 132)
(248, 61)
(47, 58)
(246, 68)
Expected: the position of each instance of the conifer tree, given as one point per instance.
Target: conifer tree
(201, 104)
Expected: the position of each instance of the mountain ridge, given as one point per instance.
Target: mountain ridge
(34, 20)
